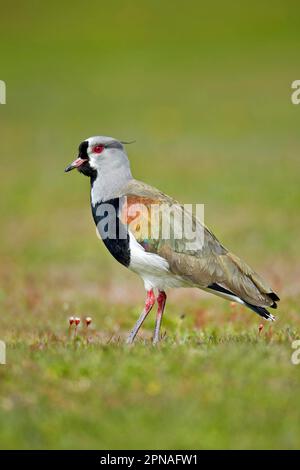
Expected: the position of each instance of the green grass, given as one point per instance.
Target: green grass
(205, 91)
(217, 387)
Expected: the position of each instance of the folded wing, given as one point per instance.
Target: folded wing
(202, 261)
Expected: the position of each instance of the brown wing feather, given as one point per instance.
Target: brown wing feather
(202, 266)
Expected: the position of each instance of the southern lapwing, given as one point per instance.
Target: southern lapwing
(161, 262)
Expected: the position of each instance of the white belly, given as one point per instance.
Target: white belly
(152, 268)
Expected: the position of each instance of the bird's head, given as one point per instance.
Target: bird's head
(100, 155)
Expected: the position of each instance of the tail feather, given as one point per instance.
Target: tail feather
(247, 284)
(263, 312)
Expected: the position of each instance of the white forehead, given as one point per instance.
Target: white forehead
(100, 139)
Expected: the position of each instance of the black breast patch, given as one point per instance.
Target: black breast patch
(112, 231)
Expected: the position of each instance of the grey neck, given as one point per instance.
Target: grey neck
(108, 185)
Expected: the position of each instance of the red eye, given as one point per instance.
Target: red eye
(98, 148)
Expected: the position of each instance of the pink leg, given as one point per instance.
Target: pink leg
(161, 300)
(150, 301)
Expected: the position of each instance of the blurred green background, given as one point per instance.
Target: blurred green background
(205, 90)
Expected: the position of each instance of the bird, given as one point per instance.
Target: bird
(161, 262)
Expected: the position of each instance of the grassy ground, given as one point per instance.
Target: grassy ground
(205, 91)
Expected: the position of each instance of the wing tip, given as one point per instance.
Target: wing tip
(262, 311)
(273, 296)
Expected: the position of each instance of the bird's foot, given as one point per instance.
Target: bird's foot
(155, 340)
(130, 339)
